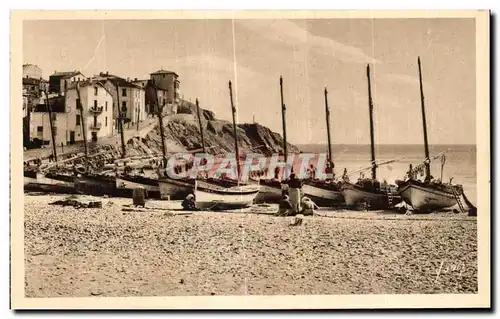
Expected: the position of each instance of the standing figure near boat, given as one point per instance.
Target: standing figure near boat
(294, 192)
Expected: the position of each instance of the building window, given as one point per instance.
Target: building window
(106, 106)
(77, 119)
(96, 90)
(54, 130)
(163, 76)
(106, 121)
(95, 104)
(78, 104)
(53, 117)
(124, 92)
(39, 129)
(124, 106)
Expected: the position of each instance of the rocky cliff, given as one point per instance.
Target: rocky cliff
(182, 134)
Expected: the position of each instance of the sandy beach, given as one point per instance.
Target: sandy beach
(73, 252)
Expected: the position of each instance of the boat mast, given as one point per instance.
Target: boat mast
(84, 133)
(283, 117)
(201, 126)
(138, 116)
(426, 143)
(159, 111)
(49, 109)
(327, 110)
(233, 108)
(120, 118)
(372, 139)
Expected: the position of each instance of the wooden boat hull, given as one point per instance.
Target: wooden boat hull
(175, 188)
(269, 193)
(210, 196)
(125, 185)
(423, 198)
(354, 196)
(322, 195)
(30, 178)
(96, 185)
(54, 183)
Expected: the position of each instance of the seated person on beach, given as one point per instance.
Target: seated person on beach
(189, 203)
(285, 207)
(308, 206)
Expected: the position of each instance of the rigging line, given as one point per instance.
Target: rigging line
(98, 45)
(235, 69)
(374, 84)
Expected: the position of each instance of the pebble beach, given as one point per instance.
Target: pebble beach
(112, 251)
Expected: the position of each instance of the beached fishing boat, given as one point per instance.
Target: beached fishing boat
(212, 196)
(171, 188)
(369, 191)
(125, 184)
(215, 194)
(324, 192)
(427, 195)
(271, 189)
(29, 177)
(96, 184)
(55, 182)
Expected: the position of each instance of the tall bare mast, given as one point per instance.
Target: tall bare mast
(283, 117)
(426, 143)
(138, 116)
(372, 138)
(201, 126)
(233, 109)
(327, 110)
(83, 123)
(120, 119)
(49, 109)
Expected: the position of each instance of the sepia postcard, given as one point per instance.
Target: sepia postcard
(250, 159)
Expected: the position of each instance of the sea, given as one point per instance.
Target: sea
(460, 162)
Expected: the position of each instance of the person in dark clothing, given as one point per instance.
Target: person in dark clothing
(285, 207)
(294, 182)
(189, 203)
(294, 191)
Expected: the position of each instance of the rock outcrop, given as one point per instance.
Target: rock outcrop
(182, 134)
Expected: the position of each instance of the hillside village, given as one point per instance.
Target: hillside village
(99, 95)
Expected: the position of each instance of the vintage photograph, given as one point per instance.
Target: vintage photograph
(258, 154)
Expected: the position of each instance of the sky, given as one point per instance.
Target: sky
(309, 54)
